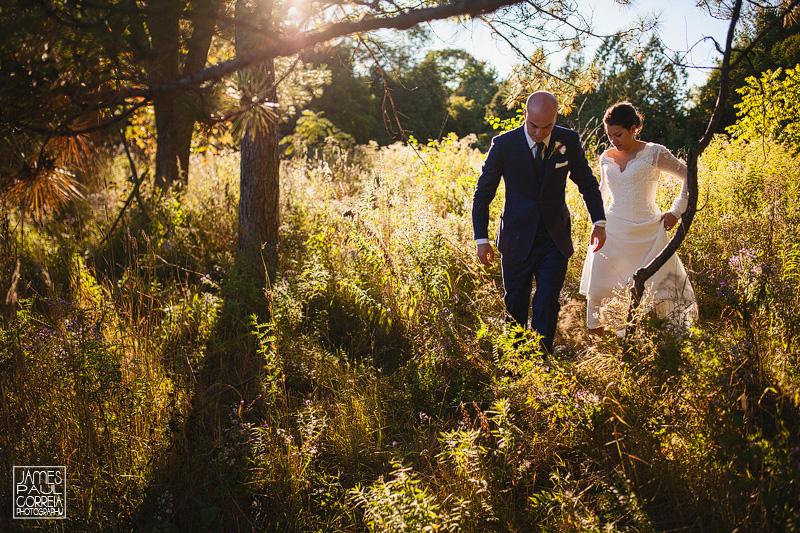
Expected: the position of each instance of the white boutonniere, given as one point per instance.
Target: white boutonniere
(560, 148)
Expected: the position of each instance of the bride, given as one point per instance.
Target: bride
(636, 229)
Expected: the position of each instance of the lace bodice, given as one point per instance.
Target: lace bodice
(632, 191)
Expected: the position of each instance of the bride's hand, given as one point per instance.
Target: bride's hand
(669, 220)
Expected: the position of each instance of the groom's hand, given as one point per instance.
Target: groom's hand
(598, 238)
(485, 254)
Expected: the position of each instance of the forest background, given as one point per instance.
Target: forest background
(239, 289)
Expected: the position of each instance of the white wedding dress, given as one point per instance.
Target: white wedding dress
(634, 236)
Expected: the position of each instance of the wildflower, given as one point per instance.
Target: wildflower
(743, 260)
(587, 397)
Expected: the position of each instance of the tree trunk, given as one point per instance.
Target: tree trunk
(259, 190)
(163, 23)
(177, 112)
(166, 151)
(259, 207)
(189, 105)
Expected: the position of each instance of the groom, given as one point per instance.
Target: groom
(535, 241)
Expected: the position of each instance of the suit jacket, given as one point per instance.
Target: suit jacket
(531, 201)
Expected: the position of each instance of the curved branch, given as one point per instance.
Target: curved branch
(287, 46)
(295, 44)
(644, 273)
(743, 53)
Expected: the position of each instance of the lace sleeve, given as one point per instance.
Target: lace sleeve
(605, 192)
(666, 162)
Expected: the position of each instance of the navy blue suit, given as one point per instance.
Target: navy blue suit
(535, 233)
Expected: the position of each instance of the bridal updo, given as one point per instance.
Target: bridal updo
(625, 115)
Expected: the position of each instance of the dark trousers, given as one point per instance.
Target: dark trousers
(548, 267)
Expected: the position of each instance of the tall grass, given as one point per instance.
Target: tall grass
(369, 384)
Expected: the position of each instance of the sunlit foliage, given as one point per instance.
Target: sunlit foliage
(770, 108)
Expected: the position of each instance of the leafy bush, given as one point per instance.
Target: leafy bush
(374, 368)
(769, 110)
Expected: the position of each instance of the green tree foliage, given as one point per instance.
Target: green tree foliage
(71, 68)
(420, 97)
(536, 74)
(770, 108)
(473, 86)
(312, 133)
(466, 115)
(448, 91)
(49, 74)
(499, 108)
(346, 101)
(779, 47)
(648, 79)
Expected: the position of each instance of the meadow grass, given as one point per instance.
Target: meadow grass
(368, 382)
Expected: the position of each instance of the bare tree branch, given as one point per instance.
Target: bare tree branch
(786, 11)
(514, 47)
(740, 54)
(643, 274)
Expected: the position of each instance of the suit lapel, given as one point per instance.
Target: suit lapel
(524, 155)
(522, 145)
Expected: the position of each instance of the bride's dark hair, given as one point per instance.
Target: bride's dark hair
(624, 114)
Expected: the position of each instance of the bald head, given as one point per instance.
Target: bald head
(542, 100)
(540, 115)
